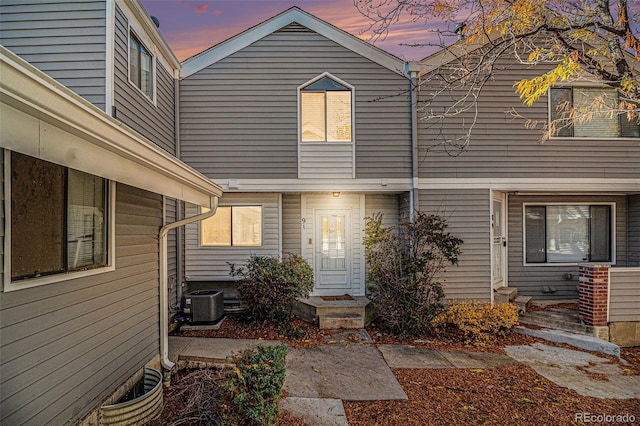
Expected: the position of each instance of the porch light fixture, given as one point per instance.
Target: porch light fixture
(336, 194)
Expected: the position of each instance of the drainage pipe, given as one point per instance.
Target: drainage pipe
(164, 278)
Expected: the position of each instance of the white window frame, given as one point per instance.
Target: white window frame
(580, 138)
(144, 43)
(231, 246)
(300, 89)
(110, 266)
(612, 205)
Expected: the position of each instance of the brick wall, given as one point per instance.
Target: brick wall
(594, 294)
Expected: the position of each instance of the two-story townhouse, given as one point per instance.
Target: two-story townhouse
(530, 211)
(90, 178)
(308, 130)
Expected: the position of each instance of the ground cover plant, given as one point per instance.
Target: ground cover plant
(405, 265)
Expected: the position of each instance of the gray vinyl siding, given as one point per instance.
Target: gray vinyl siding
(387, 204)
(239, 116)
(468, 214)
(65, 346)
(65, 39)
(170, 217)
(624, 295)
(530, 279)
(634, 230)
(134, 108)
(501, 146)
(291, 224)
(212, 263)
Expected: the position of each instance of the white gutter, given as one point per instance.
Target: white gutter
(164, 278)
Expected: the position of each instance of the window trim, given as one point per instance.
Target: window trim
(142, 42)
(613, 207)
(353, 111)
(9, 285)
(231, 246)
(580, 138)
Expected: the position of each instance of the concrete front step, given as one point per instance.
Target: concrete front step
(340, 320)
(590, 343)
(523, 303)
(556, 320)
(505, 294)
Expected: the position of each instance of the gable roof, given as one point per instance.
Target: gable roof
(290, 16)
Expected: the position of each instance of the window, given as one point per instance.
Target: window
(325, 112)
(140, 66)
(237, 226)
(58, 219)
(600, 125)
(568, 233)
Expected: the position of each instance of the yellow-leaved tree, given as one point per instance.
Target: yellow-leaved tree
(589, 40)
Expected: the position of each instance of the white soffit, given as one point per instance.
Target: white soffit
(42, 118)
(290, 16)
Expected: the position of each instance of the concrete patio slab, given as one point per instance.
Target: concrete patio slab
(316, 411)
(177, 345)
(571, 369)
(405, 356)
(350, 372)
(463, 359)
(217, 351)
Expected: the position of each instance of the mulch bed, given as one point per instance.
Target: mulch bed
(513, 394)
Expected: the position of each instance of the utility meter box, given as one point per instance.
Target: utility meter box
(203, 306)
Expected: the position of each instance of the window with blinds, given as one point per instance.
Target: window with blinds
(58, 219)
(572, 110)
(140, 66)
(568, 233)
(325, 112)
(232, 226)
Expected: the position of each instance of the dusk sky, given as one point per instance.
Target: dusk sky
(191, 26)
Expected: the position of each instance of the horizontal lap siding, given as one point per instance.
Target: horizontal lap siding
(624, 289)
(385, 204)
(634, 230)
(170, 217)
(291, 224)
(239, 116)
(64, 39)
(65, 346)
(530, 279)
(467, 213)
(134, 108)
(502, 147)
(212, 263)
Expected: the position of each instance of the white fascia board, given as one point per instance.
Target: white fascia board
(42, 118)
(534, 184)
(377, 185)
(242, 40)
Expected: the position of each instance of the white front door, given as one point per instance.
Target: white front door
(332, 251)
(499, 241)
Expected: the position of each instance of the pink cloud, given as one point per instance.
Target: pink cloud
(217, 12)
(200, 8)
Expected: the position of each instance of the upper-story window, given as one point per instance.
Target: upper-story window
(59, 220)
(600, 124)
(140, 66)
(326, 111)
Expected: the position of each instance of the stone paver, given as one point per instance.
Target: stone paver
(218, 350)
(463, 359)
(567, 367)
(405, 356)
(350, 372)
(316, 411)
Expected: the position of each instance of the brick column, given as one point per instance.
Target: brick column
(594, 294)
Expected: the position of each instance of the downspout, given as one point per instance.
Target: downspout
(413, 68)
(164, 275)
(179, 247)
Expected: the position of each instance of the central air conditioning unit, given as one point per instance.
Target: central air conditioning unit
(203, 306)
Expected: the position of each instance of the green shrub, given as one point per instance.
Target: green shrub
(476, 322)
(404, 267)
(269, 286)
(255, 386)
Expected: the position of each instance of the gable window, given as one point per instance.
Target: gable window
(600, 125)
(232, 226)
(568, 233)
(140, 66)
(325, 112)
(58, 219)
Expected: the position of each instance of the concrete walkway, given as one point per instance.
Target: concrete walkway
(347, 367)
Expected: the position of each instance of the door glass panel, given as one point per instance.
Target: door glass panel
(332, 247)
